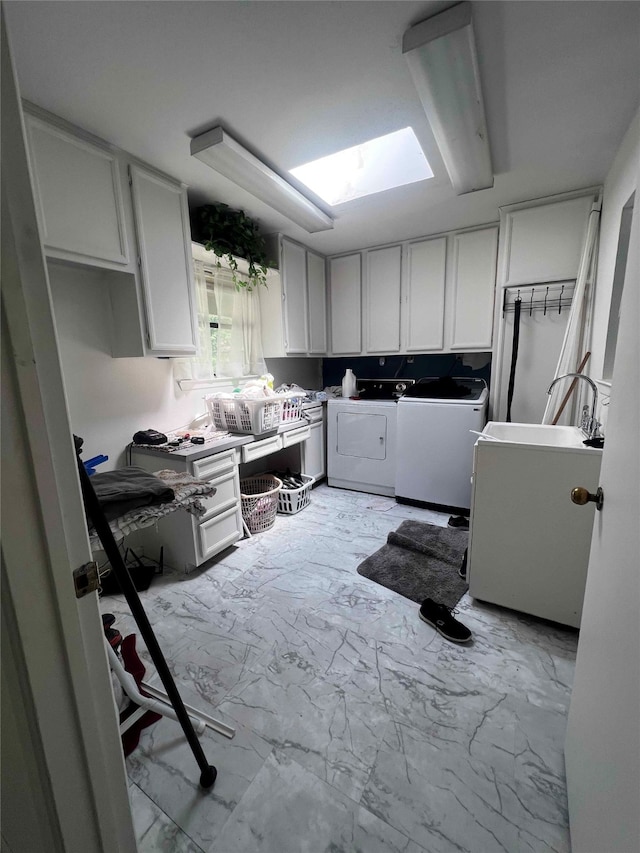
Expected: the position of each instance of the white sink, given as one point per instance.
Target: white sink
(528, 543)
(536, 435)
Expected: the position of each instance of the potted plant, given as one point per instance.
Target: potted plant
(231, 233)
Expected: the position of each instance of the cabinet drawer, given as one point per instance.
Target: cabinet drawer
(315, 415)
(219, 532)
(213, 466)
(227, 494)
(295, 436)
(261, 448)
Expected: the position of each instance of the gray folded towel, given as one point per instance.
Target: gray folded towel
(444, 543)
(125, 489)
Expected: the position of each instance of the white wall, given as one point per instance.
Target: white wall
(618, 187)
(111, 398)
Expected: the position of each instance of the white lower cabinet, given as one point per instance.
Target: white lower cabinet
(314, 450)
(189, 541)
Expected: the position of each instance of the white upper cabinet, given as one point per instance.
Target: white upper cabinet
(78, 195)
(473, 278)
(542, 242)
(425, 295)
(430, 295)
(382, 299)
(136, 231)
(293, 271)
(317, 303)
(294, 304)
(162, 227)
(346, 304)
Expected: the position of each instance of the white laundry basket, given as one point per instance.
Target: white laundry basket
(259, 501)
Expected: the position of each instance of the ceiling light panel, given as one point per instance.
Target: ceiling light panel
(380, 164)
(443, 63)
(223, 153)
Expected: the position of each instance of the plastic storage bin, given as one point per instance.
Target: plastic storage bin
(291, 501)
(259, 501)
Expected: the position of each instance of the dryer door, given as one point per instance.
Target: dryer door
(362, 435)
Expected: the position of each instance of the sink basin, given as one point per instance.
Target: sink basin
(536, 435)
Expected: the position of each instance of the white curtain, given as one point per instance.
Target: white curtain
(571, 353)
(202, 364)
(240, 352)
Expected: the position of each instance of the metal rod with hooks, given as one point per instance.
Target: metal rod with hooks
(551, 296)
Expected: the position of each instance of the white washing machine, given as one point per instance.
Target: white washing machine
(435, 439)
(361, 445)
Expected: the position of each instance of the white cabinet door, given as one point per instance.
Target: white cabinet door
(346, 305)
(271, 321)
(161, 220)
(317, 303)
(293, 265)
(473, 276)
(78, 196)
(424, 304)
(314, 457)
(383, 299)
(543, 242)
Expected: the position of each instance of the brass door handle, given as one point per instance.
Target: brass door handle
(581, 496)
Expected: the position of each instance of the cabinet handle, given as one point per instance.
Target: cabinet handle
(581, 496)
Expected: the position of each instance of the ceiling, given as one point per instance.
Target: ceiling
(295, 81)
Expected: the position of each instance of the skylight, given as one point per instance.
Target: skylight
(379, 164)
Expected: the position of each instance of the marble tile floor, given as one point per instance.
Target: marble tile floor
(359, 728)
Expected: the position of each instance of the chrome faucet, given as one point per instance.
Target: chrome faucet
(588, 424)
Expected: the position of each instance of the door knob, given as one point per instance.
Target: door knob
(581, 496)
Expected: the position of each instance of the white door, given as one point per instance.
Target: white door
(63, 770)
(602, 749)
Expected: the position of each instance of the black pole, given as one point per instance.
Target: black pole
(94, 513)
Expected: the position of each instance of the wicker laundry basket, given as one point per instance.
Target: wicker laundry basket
(259, 501)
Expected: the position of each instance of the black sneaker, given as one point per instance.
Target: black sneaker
(458, 521)
(440, 617)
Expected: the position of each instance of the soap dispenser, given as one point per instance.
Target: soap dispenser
(349, 388)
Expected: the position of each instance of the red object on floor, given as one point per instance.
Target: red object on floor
(134, 665)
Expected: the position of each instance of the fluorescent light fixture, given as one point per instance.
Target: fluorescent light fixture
(379, 164)
(443, 63)
(224, 154)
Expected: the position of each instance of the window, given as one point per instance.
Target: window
(229, 334)
(371, 167)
